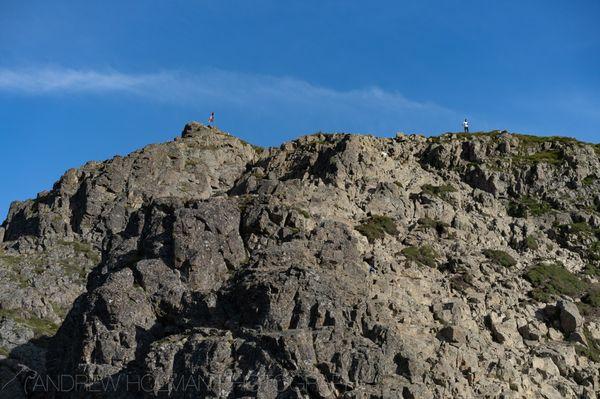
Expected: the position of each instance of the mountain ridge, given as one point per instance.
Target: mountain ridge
(334, 265)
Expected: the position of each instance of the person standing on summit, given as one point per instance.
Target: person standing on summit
(211, 119)
(466, 125)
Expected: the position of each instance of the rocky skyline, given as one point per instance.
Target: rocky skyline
(335, 265)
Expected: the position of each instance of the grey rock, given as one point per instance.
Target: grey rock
(336, 265)
(534, 330)
(570, 318)
(13, 334)
(453, 334)
(504, 329)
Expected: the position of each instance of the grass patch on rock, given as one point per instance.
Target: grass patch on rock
(442, 191)
(581, 228)
(10, 260)
(40, 327)
(428, 223)
(531, 243)
(82, 248)
(376, 227)
(424, 255)
(589, 180)
(594, 252)
(531, 140)
(592, 350)
(550, 280)
(527, 206)
(501, 258)
(551, 157)
(491, 134)
(303, 212)
(592, 297)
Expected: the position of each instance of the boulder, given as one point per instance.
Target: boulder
(534, 330)
(13, 334)
(453, 334)
(504, 329)
(570, 318)
(546, 366)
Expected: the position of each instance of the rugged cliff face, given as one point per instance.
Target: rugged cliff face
(461, 266)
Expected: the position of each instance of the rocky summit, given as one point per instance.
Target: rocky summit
(334, 266)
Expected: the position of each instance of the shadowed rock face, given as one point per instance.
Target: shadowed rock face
(334, 266)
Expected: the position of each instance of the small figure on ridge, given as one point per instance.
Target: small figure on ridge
(211, 119)
(466, 125)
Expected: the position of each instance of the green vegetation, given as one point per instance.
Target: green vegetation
(583, 232)
(529, 140)
(40, 327)
(442, 191)
(59, 310)
(14, 271)
(594, 252)
(424, 255)
(592, 297)
(10, 260)
(516, 210)
(500, 257)
(73, 268)
(552, 279)
(552, 157)
(581, 228)
(589, 180)
(328, 139)
(82, 248)
(258, 175)
(303, 212)
(376, 227)
(592, 350)
(492, 134)
(3, 351)
(534, 207)
(526, 205)
(428, 223)
(531, 243)
(191, 163)
(524, 139)
(592, 270)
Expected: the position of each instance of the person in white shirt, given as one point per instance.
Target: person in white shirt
(466, 125)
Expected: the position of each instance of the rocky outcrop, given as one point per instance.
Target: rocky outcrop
(97, 199)
(333, 266)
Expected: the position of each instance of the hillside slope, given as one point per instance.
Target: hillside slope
(459, 266)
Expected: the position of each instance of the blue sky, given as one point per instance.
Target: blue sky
(88, 80)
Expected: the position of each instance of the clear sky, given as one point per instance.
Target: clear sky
(83, 80)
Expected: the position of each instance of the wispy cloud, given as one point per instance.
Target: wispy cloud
(53, 80)
(262, 93)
